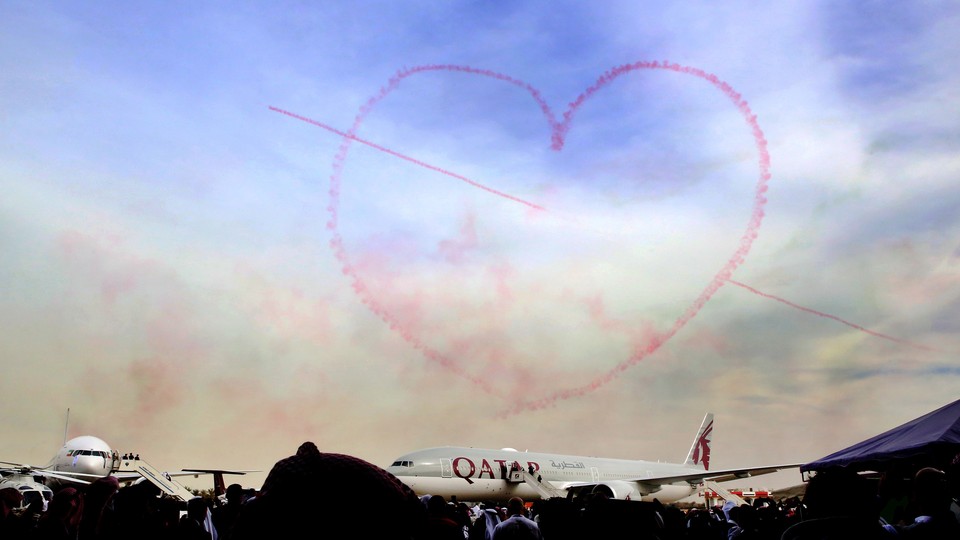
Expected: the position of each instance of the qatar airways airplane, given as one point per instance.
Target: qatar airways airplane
(476, 474)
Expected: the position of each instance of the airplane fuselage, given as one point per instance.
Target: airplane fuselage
(480, 474)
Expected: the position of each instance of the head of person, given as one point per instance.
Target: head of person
(234, 494)
(930, 493)
(101, 490)
(304, 492)
(515, 507)
(437, 506)
(66, 507)
(10, 498)
(197, 509)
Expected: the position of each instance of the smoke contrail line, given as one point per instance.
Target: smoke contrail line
(834, 317)
(404, 157)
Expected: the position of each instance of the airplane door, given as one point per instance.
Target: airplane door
(594, 474)
(446, 471)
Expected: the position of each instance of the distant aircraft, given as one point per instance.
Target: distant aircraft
(476, 474)
(83, 459)
(80, 460)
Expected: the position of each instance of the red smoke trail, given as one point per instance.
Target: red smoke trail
(408, 158)
(838, 319)
(725, 272)
(558, 135)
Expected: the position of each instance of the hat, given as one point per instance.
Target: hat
(727, 506)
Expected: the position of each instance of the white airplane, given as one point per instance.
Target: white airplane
(476, 474)
(83, 459)
(80, 460)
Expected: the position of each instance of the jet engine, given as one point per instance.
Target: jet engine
(616, 489)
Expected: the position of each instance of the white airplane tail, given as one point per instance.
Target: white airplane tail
(699, 455)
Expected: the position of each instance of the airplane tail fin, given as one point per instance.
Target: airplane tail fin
(66, 425)
(219, 486)
(699, 455)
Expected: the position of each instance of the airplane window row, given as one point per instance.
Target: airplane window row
(402, 463)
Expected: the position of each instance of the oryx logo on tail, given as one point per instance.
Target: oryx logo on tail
(699, 455)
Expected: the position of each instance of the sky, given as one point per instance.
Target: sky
(232, 227)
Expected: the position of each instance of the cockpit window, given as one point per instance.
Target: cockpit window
(98, 453)
(402, 463)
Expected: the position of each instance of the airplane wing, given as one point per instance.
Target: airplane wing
(72, 477)
(24, 469)
(219, 486)
(697, 477)
(721, 475)
(194, 472)
(18, 465)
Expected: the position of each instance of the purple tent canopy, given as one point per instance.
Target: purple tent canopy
(932, 439)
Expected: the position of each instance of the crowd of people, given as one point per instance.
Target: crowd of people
(315, 494)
